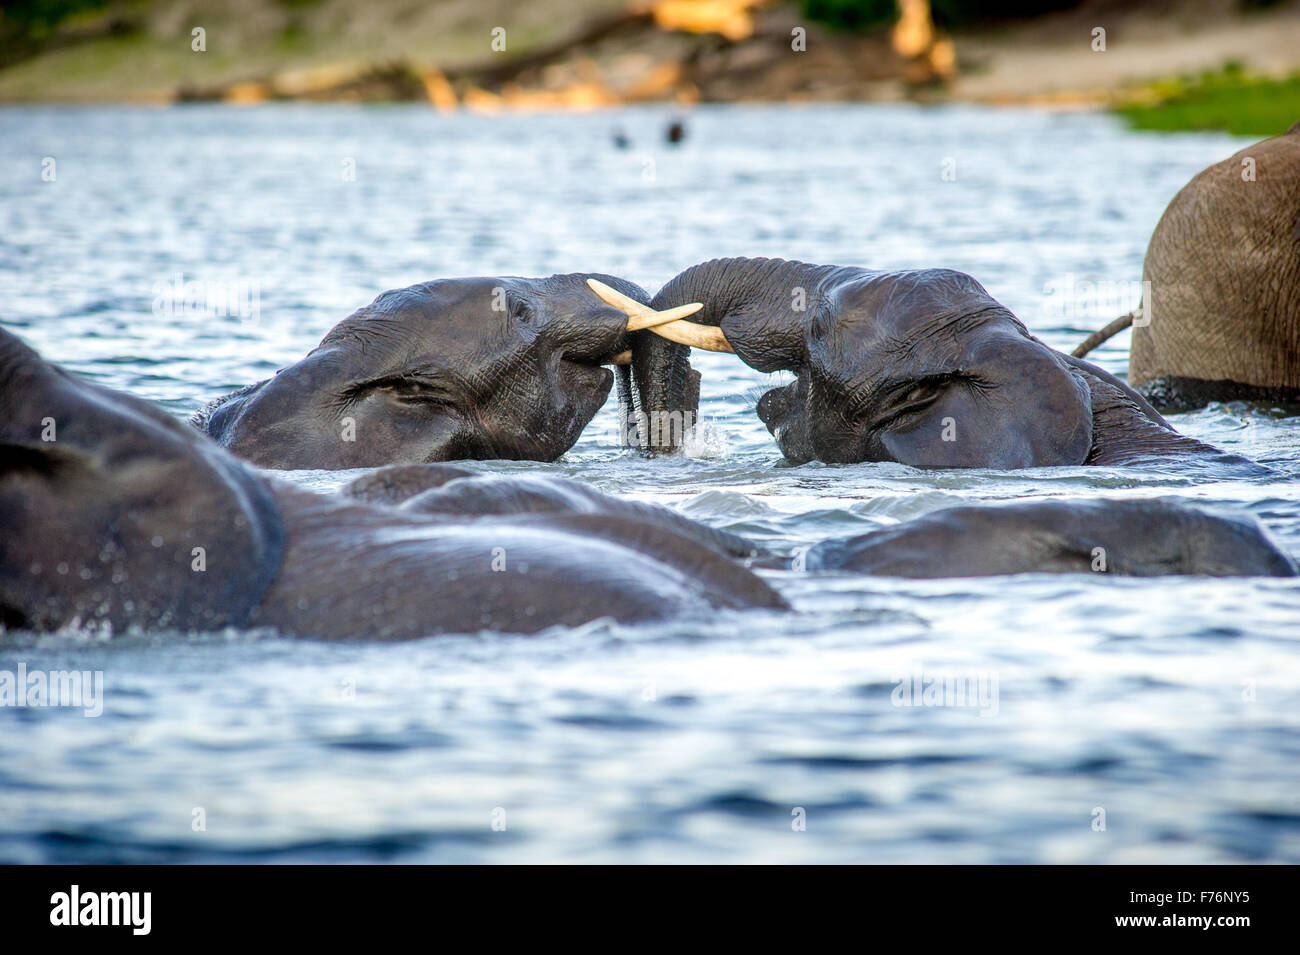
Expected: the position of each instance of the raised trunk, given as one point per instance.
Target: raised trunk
(763, 305)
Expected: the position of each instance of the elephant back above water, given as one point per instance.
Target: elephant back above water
(1130, 538)
(1224, 273)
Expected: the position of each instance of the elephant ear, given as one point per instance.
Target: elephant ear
(116, 513)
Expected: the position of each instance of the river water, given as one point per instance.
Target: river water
(1125, 720)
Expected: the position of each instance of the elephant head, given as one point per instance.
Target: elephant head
(116, 513)
(923, 366)
(469, 368)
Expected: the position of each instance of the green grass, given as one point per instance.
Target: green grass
(1227, 99)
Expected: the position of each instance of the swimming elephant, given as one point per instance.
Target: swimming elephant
(115, 514)
(1127, 538)
(468, 368)
(1223, 318)
(919, 366)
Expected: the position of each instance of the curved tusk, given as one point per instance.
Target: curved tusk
(652, 319)
(622, 358)
(705, 337)
(640, 316)
(667, 323)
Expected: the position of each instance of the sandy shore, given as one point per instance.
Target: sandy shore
(1051, 59)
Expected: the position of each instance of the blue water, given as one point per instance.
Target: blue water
(1173, 705)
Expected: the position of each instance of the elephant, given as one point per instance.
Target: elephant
(1221, 315)
(1122, 537)
(117, 515)
(918, 366)
(466, 368)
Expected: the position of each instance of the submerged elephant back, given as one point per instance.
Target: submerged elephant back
(1224, 273)
(1137, 538)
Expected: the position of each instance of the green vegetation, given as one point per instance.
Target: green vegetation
(851, 14)
(951, 14)
(36, 19)
(28, 27)
(1229, 99)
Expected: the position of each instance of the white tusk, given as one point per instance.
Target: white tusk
(640, 316)
(651, 319)
(667, 323)
(705, 337)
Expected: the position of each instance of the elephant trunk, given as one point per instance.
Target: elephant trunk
(767, 302)
(658, 391)
(658, 394)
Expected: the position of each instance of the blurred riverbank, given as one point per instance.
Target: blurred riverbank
(496, 55)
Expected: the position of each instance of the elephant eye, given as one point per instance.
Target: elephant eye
(914, 397)
(407, 389)
(413, 391)
(523, 310)
(925, 391)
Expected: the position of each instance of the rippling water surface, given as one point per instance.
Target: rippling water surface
(1169, 704)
